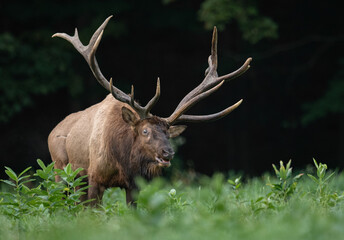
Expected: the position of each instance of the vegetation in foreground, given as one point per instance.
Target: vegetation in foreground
(308, 205)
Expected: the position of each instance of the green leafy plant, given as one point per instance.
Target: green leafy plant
(151, 197)
(280, 192)
(176, 201)
(49, 196)
(114, 202)
(20, 199)
(261, 203)
(253, 25)
(201, 209)
(66, 192)
(287, 183)
(322, 180)
(235, 186)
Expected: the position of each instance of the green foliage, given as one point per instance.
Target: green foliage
(28, 70)
(235, 185)
(253, 26)
(287, 184)
(177, 203)
(114, 202)
(323, 195)
(331, 102)
(154, 200)
(321, 173)
(280, 192)
(32, 64)
(206, 208)
(18, 202)
(48, 197)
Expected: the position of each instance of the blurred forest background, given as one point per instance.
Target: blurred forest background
(293, 93)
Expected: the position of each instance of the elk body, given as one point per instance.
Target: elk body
(118, 139)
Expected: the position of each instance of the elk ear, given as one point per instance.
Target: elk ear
(128, 116)
(175, 131)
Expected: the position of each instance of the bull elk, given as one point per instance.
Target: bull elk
(118, 139)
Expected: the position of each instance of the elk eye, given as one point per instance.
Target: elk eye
(145, 131)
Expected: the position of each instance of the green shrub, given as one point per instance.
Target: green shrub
(46, 198)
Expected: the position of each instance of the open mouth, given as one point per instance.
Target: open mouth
(163, 162)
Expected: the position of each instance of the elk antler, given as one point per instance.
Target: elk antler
(89, 51)
(210, 84)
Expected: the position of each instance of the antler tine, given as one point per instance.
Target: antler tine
(88, 52)
(173, 118)
(213, 56)
(155, 99)
(237, 72)
(210, 117)
(211, 79)
(132, 100)
(210, 72)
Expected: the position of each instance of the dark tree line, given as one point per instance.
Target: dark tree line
(293, 94)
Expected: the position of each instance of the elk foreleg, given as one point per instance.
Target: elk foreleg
(129, 197)
(95, 192)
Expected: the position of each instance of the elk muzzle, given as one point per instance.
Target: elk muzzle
(164, 157)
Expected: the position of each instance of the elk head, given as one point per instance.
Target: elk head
(154, 131)
(151, 138)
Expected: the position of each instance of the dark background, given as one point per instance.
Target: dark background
(293, 93)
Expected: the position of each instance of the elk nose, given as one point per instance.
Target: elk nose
(167, 153)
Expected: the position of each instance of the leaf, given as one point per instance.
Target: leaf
(8, 182)
(76, 172)
(68, 169)
(9, 203)
(288, 164)
(11, 174)
(29, 180)
(277, 187)
(75, 197)
(83, 188)
(41, 164)
(315, 163)
(77, 183)
(322, 170)
(50, 167)
(276, 171)
(25, 189)
(283, 173)
(269, 194)
(41, 174)
(27, 169)
(231, 182)
(258, 210)
(284, 185)
(237, 180)
(88, 201)
(298, 176)
(59, 172)
(55, 191)
(289, 172)
(82, 177)
(326, 179)
(313, 178)
(259, 199)
(23, 177)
